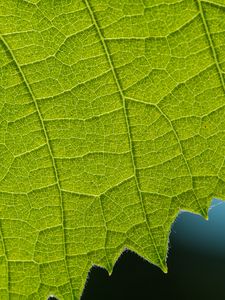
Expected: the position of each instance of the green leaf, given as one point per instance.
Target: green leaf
(112, 119)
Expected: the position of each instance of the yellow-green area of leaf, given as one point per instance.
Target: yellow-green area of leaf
(112, 119)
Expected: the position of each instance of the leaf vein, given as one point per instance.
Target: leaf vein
(107, 53)
(48, 145)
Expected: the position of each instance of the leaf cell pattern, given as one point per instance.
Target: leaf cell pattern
(112, 119)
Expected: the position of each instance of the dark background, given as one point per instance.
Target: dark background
(196, 265)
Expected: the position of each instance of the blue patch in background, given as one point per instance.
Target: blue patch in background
(198, 235)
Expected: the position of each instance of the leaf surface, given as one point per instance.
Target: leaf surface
(112, 120)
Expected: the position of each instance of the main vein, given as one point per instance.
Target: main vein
(49, 149)
(107, 53)
(214, 54)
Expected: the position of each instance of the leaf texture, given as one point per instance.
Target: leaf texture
(112, 119)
